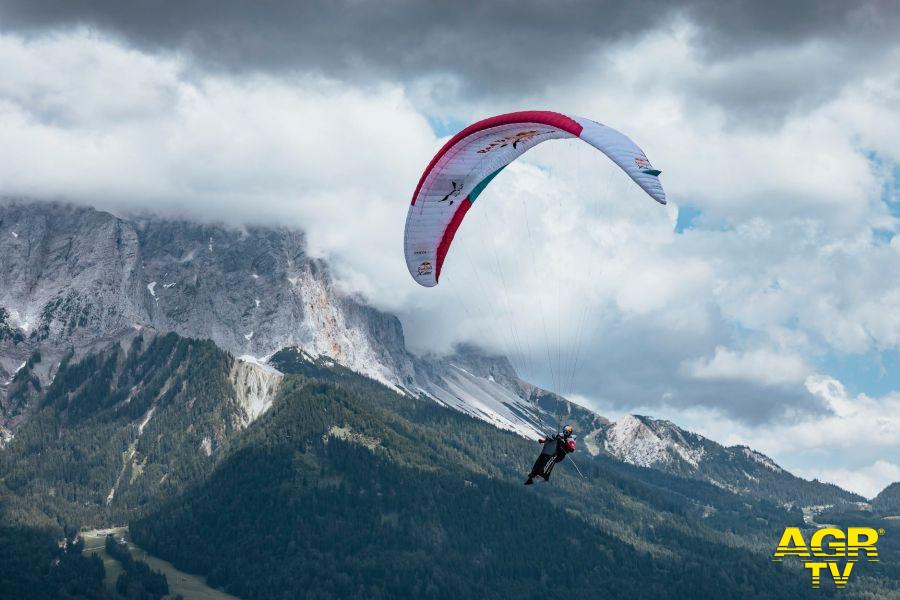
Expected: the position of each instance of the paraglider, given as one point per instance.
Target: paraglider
(466, 165)
(555, 450)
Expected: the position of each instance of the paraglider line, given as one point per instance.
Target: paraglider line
(577, 470)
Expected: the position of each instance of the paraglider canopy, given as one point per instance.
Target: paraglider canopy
(467, 163)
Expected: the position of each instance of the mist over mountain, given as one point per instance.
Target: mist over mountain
(77, 277)
(74, 280)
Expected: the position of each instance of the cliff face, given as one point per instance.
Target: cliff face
(255, 291)
(78, 278)
(68, 277)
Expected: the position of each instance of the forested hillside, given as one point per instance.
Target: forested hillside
(36, 566)
(117, 431)
(888, 501)
(347, 489)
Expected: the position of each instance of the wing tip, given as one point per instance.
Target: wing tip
(428, 283)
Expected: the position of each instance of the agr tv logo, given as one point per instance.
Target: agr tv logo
(830, 550)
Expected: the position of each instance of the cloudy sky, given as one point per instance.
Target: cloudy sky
(762, 306)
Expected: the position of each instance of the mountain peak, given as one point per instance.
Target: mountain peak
(647, 442)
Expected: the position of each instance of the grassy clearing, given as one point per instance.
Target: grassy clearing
(192, 587)
(94, 541)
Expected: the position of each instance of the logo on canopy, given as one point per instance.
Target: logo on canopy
(515, 139)
(457, 188)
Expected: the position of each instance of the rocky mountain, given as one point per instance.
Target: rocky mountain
(73, 277)
(659, 444)
(74, 281)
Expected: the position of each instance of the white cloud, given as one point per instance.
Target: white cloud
(760, 365)
(786, 254)
(84, 119)
(730, 317)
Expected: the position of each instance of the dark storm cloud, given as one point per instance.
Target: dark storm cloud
(807, 52)
(730, 26)
(492, 47)
(486, 44)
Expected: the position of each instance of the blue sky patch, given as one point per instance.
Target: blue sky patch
(443, 127)
(890, 191)
(874, 374)
(687, 214)
(882, 236)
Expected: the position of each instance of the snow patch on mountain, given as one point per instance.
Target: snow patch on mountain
(16, 372)
(6, 436)
(20, 321)
(486, 400)
(647, 443)
(590, 442)
(348, 435)
(761, 459)
(635, 443)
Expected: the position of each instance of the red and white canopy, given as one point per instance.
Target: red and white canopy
(461, 170)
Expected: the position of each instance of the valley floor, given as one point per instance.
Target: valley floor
(192, 587)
